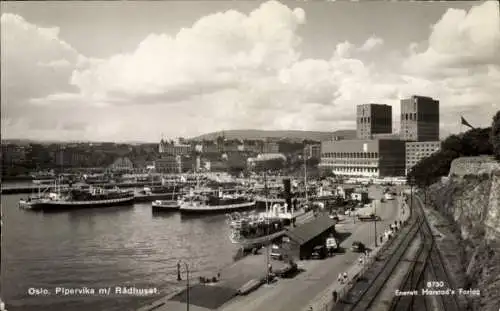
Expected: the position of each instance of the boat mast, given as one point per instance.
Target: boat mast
(265, 192)
(267, 226)
(305, 173)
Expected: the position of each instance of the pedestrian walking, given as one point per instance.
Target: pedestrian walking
(360, 260)
(340, 279)
(381, 238)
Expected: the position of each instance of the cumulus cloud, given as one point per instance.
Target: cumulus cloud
(462, 62)
(459, 40)
(209, 56)
(371, 43)
(234, 70)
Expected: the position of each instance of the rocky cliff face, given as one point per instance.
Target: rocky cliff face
(470, 197)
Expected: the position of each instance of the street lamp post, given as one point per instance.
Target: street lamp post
(375, 222)
(187, 280)
(411, 200)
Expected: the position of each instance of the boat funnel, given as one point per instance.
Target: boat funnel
(287, 191)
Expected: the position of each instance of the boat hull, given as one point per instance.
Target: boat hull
(216, 209)
(153, 197)
(249, 243)
(68, 205)
(165, 207)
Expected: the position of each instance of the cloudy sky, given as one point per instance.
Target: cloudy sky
(128, 71)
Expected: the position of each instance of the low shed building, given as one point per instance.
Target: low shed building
(298, 242)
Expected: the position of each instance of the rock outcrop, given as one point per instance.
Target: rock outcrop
(470, 198)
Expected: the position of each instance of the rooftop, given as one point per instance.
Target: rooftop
(310, 230)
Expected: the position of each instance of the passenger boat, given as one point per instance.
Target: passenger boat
(210, 203)
(262, 201)
(249, 230)
(166, 205)
(43, 178)
(79, 198)
(148, 194)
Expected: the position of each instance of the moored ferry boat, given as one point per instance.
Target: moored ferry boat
(262, 201)
(79, 198)
(249, 230)
(209, 203)
(43, 178)
(148, 194)
(166, 205)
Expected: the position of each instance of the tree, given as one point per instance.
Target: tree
(474, 142)
(495, 135)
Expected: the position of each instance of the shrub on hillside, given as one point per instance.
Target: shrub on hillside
(474, 142)
(495, 135)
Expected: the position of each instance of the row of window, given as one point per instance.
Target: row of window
(354, 155)
(419, 146)
(355, 169)
(341, 162)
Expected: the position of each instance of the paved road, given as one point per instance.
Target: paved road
(297, 293)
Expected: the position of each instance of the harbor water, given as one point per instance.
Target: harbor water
(101, 248)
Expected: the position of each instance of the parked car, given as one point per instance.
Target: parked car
(358, 247)
(331, 245)
(275, 252)
(371, 217)
(334, 217)
(350, 211)
(288, 270)
(319, 252)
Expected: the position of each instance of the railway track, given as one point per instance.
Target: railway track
(428, 263)
(429, 273)
(364, 292)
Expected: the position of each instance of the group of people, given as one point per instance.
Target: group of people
(362, 259)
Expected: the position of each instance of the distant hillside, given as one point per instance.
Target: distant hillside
(261, 134)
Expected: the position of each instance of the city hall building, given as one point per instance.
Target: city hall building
(364, 158)
(416, 151)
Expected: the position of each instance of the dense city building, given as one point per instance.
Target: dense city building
(364, 158)
(258, 162)
(416, 151)
(174, 148)
(313, 151)
(168, 164)
(419, 119)
(122, 164)
(270, 147)
(373, 119)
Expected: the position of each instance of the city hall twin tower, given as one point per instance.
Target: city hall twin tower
(377, 152)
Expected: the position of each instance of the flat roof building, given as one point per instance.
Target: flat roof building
(364, 158)
(416, 151)
(419, 119)
(373, 119)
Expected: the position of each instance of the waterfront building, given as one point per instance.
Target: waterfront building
(364, 157)
(416, 151)
(419, 119)
(168, 164)
(373, 119)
